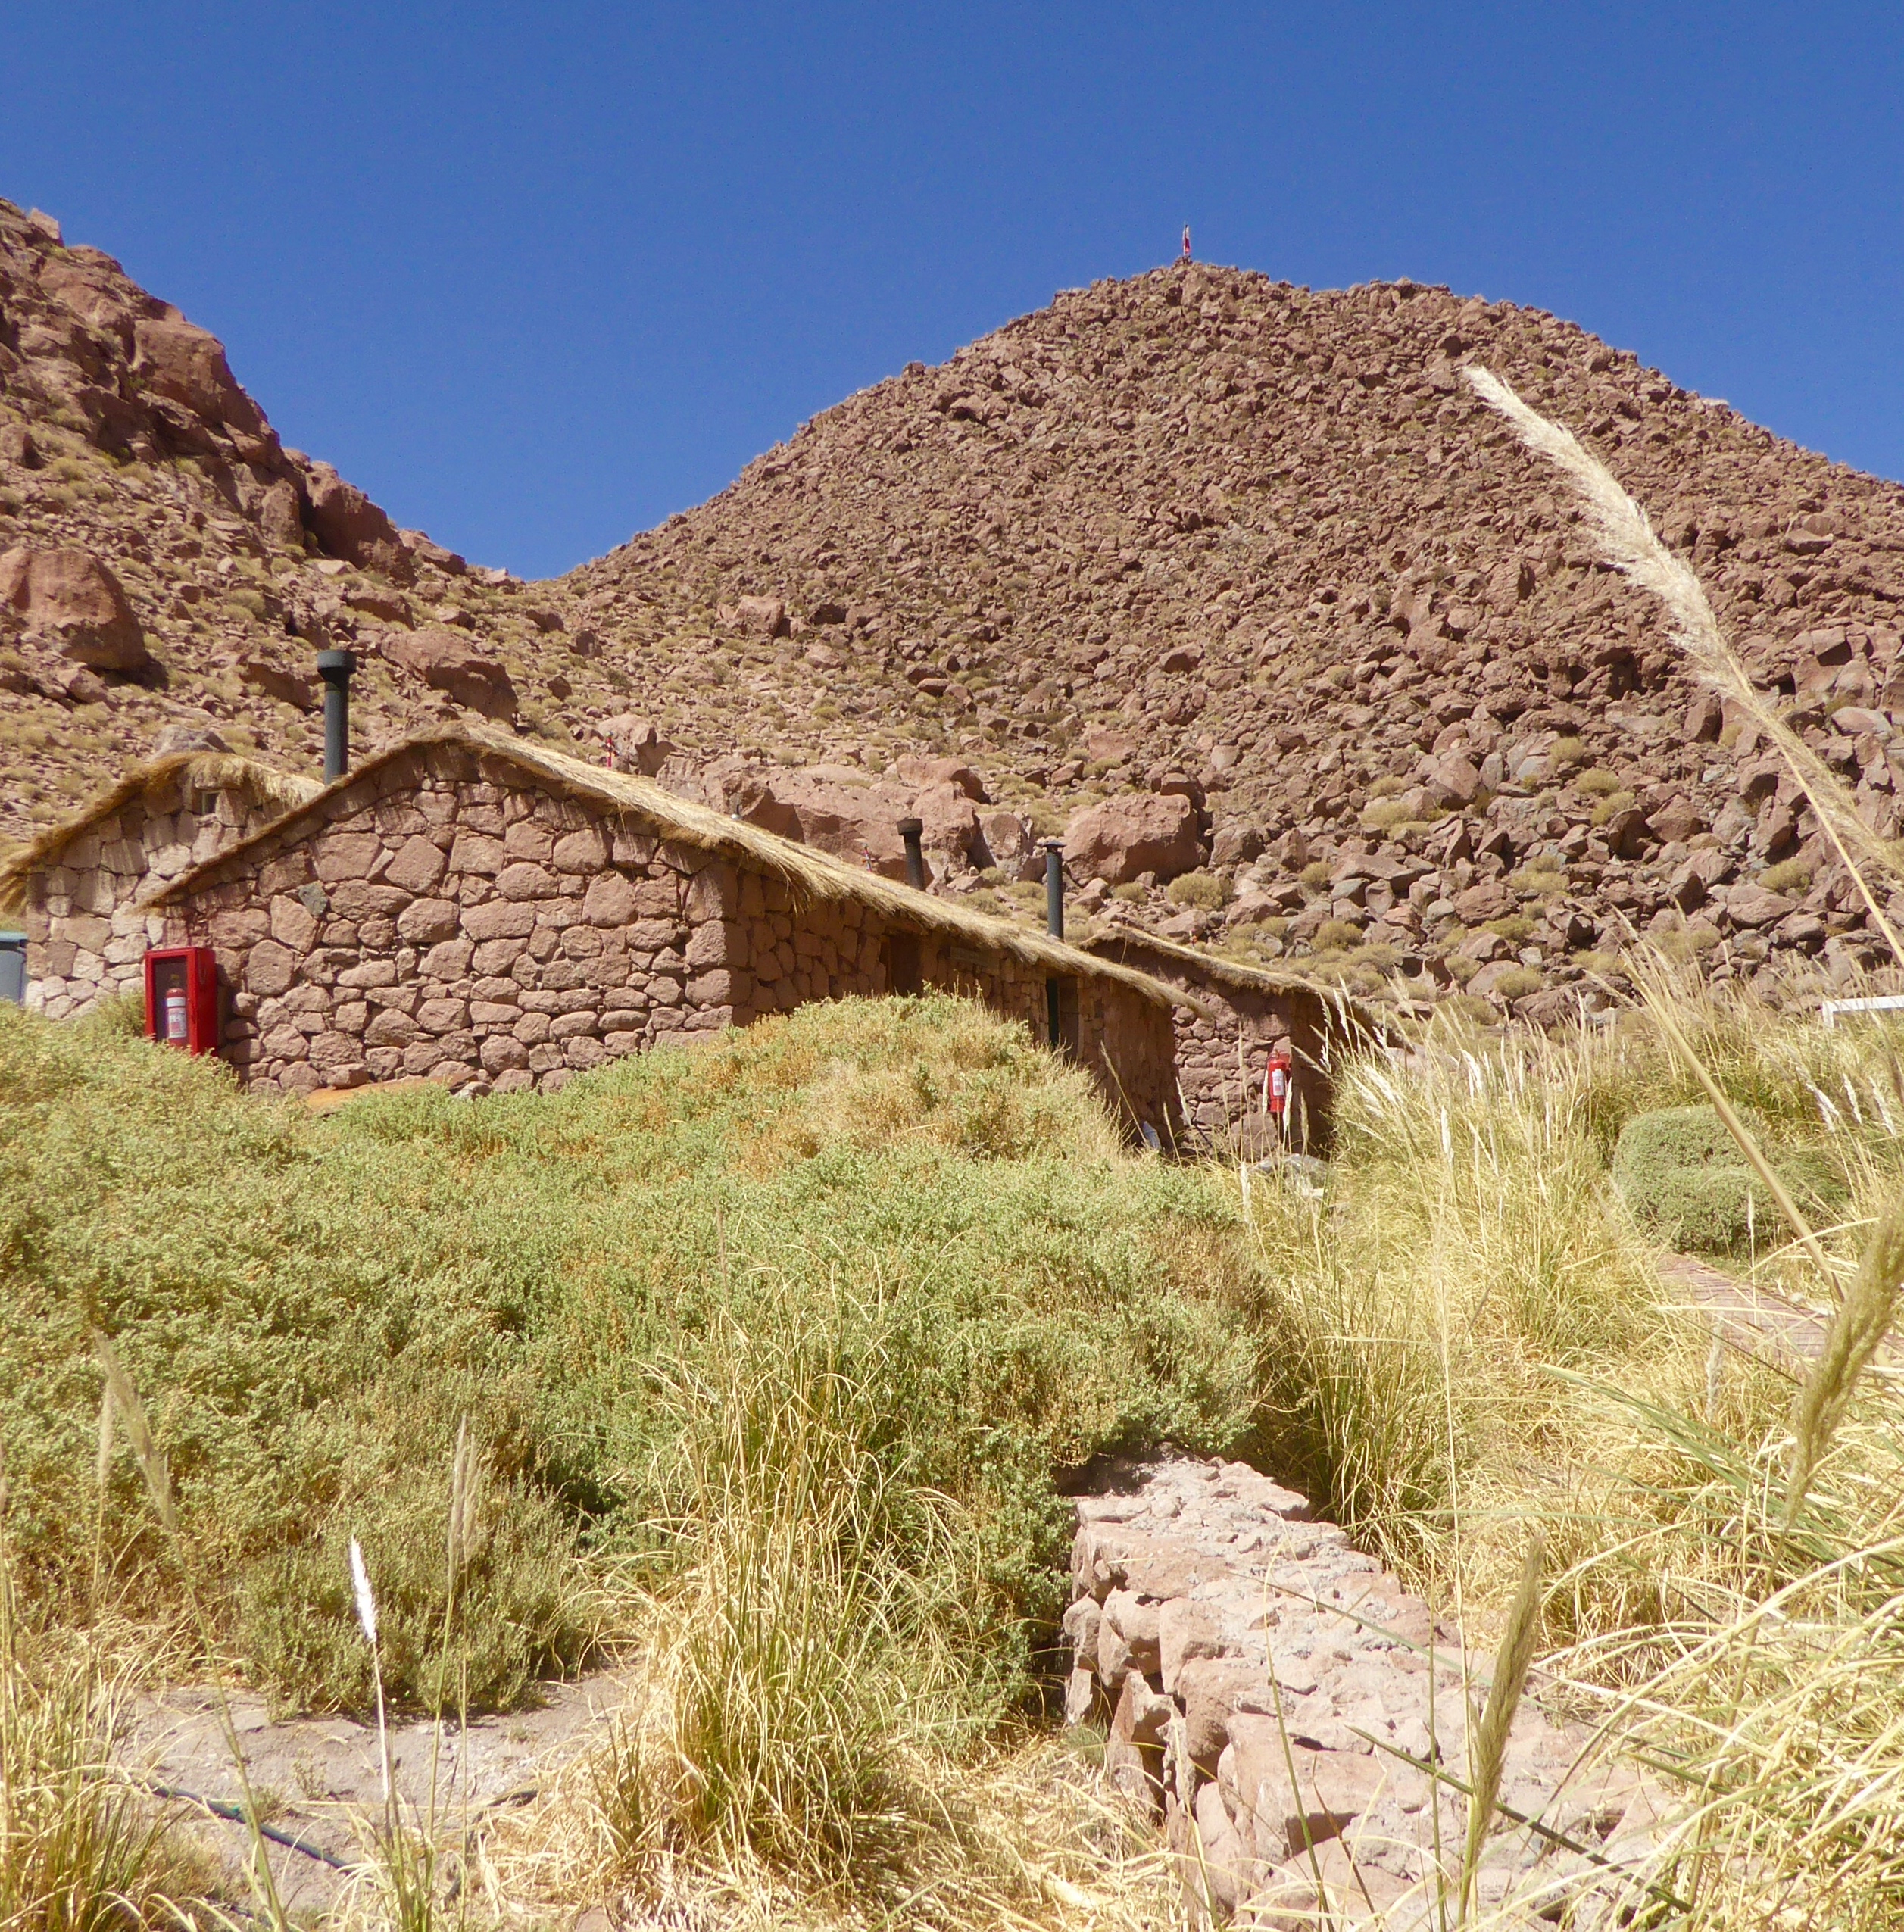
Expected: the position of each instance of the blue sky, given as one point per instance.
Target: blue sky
(537, 276)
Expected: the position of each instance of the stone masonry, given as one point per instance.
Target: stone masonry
(82, 894)
(1265, 1013)
(498, 919)
(1268, 1694)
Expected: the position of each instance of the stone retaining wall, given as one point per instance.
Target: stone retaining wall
(1266, 1690)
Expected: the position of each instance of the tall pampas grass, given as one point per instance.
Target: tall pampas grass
(1488, 1756)
(1627, 540)
(1861, 1323)
(365, 1599)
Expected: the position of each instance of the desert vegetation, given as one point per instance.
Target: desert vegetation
(776, 1352)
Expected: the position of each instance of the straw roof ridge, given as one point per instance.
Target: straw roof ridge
(812, 873)
(208, 770)
(1233, 972)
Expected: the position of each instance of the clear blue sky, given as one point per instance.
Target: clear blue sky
(537, 276)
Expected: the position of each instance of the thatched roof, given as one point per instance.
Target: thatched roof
(1120, 942)
(812, 873)
(204, 771)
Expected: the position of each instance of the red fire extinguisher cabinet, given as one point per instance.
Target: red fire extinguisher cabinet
(181, 997)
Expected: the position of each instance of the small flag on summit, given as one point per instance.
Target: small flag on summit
(1186, 241)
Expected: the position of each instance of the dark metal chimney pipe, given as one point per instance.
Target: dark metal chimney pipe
(334, 667)
(909, 830)
(1053, 851)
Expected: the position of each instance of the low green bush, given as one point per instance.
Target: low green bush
(1687, 1184)
(1203, 889)
(1792, 875)
(311, 1307)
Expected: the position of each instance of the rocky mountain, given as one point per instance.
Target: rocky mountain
(1235, 583)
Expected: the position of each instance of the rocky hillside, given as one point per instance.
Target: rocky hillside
(1240, 572)
(166, 564)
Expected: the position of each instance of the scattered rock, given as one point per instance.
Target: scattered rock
(1154, 832)
(1267, 1691)
(448, 661)
(349, 526)
(175, 738)
(69, 597)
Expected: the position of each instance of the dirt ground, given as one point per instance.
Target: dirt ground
(318, 1781)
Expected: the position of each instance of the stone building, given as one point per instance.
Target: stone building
(82, 889)
(487, 911)
(1223, 1097)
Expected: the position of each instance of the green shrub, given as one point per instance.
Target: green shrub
(1332, 935)
(1599, 782)
(1513, 928)
(1202, 889)
(1611, 806)
(311, 1307)
(1686, 1183)
(1788, 875)
(1315, 875)
(1518, 981)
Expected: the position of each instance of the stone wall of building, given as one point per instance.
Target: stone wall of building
(1222, 1087)
(498, 938)
(86, 922)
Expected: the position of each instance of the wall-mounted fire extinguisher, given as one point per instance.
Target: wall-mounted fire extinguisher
(181, 997)
(1278, 1083)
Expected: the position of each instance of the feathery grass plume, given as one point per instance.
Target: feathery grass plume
(1862, 1320)
(152, 1462)
(102, 1469)
(1629, 543)
(1488, 1754)
(466, 1504)
(366, 1616)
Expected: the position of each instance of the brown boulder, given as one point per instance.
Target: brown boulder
(1488, 900)
(1451, 780)
(840, 812)
(448, 662)
(1137, 832)
(177, 360)
(840, 809)
(281, 517)
(1753, 906)
(765, 616)
(635, 744)
(1676, 821)
(913, 769)
(349, 525)
(1009, 845)
(1236, 843)
(70, 597)
(277, 681)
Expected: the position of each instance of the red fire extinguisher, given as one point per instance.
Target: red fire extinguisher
(1277, 1084)
(181, 997)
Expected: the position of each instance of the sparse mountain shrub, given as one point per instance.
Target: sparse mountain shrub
(1203, 889)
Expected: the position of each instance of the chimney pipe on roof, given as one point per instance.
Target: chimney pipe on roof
(909, 830)
(1053, 851)
(334, 667)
